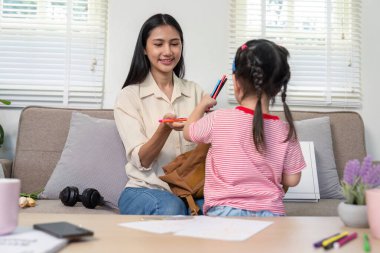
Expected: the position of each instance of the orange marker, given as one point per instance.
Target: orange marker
(172, 120)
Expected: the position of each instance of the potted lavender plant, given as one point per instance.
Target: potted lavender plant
(357, 178)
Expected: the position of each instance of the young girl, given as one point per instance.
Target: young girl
(253, 154)
(154, 89)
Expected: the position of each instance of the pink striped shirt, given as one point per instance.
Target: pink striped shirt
(236, 174)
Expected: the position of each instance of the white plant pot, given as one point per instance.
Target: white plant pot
(353, 215)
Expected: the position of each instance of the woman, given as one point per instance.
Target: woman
(154, 89)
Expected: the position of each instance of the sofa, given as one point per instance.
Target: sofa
(43, 132)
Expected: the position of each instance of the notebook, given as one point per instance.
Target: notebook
(308, 189)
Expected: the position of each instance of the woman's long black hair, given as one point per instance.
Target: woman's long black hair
(261, 66)
(140, 65)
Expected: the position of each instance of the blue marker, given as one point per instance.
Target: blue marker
(216, 87)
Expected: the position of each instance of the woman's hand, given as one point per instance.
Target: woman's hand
(177, 126)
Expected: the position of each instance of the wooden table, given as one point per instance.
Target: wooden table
(286, 234)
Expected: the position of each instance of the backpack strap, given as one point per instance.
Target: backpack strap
(194, 209)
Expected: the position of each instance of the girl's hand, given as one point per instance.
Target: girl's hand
(207, 102)
(177, 126)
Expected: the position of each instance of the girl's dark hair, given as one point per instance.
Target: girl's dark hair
(261, 66)
(140, 65)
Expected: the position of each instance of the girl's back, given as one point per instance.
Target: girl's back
(237, 174)
(252, 154)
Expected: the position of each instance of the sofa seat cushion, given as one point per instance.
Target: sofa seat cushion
(325, 207)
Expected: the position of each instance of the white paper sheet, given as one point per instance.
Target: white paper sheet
(205, 227)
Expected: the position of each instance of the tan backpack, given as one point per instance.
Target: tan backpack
(186, 175)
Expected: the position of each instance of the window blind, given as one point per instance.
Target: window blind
(52, 52)
(323, 38)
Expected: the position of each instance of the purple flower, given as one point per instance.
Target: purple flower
(366, 166)
(372, 177)
(357, 178)
(351, 172)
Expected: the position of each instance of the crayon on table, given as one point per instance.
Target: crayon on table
(319, 243)
(345, 240)
(334, 239)
(366, 243)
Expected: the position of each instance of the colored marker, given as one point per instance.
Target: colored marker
(216, 87)
(172, 120)
(319, 243)
(333, 239)
(366, 244)
(345, 240)
(220, 86)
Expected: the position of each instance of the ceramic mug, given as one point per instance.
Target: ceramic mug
(373, 208)
(9, 195)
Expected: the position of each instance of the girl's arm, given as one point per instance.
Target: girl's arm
(206, 103)
(293, 165)
(290, 180)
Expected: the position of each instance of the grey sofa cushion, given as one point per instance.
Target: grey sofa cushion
(318, 130)
(93, 157)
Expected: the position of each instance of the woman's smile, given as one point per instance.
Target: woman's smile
(166, 61)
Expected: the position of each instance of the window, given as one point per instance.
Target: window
(323, 38)
(52, 52)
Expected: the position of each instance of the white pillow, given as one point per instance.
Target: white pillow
(93, 157)
(318, 130)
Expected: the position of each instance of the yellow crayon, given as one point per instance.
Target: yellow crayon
(333, 239)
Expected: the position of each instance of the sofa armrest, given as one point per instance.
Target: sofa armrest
(6, 167)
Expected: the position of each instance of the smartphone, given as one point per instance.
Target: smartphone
(64, 230)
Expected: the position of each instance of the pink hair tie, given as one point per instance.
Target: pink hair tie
(243, 47)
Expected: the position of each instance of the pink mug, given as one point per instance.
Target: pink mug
(373, 208)
(9, 195)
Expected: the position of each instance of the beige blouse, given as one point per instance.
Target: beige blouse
(137, 112)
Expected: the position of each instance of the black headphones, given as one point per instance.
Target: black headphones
(90, 197)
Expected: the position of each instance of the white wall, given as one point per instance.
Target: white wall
(205, 27)
(370, 75)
